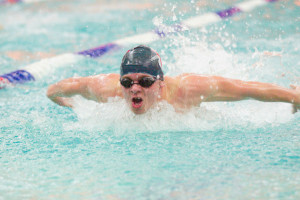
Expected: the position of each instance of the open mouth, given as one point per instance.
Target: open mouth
(137, 102)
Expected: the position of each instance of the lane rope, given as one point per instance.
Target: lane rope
(47, 66)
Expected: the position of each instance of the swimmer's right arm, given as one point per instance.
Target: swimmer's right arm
(97, 88)
(61, 91)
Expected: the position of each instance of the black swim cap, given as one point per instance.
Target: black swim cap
(142, 59)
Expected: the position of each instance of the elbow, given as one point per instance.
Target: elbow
(51, 94)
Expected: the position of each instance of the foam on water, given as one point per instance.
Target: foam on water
(202, 58)
(116, 116)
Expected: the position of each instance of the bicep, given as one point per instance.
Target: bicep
(194, 89)
(227, 89)
(212, 88)
(97, 88)
(69, 87)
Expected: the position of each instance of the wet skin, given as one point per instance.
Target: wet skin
(183, 92)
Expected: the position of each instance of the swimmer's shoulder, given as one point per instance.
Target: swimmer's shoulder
(171, 88)
(174, 82)
(177, 80)
(179, 86)
(110, 76)
(104, 79)
(191, 76)
(106, 85)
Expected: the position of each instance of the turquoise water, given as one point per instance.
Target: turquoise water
(240, 150)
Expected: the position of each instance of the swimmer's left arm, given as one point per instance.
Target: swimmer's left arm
(215, 88)
(234, 90)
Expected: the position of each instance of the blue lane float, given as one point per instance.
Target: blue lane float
(229, 12)
(47, 66)
(18, 76)
(98, 51)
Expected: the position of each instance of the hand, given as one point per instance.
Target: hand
(296, 107)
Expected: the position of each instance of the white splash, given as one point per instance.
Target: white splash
(201, 59)
(117, 117)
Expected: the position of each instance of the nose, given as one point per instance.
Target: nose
(135, 88)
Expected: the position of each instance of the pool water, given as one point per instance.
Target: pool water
(223, 150)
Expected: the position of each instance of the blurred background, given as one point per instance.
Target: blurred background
(236, 150)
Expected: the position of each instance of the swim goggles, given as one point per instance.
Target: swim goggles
(145, 82)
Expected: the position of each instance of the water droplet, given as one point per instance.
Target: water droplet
(174, 18)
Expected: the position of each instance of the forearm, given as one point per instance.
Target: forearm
(61, 92)
(61, 89)
(63, 101)
(225, 89)
(269, 92)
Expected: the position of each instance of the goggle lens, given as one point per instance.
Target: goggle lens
(145, 82)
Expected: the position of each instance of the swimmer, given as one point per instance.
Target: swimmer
(142, 84)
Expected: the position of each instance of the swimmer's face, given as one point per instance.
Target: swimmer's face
(139, 98)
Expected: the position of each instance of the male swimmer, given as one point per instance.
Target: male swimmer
(142, 84)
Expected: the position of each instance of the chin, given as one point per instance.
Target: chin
(138, 111)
